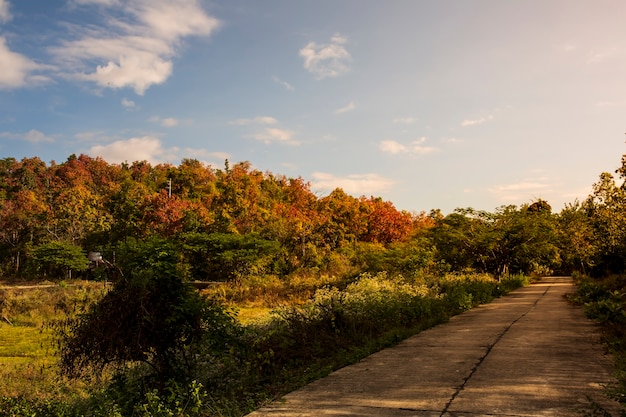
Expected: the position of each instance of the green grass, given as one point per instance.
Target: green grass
(28, 358)
(28, 364)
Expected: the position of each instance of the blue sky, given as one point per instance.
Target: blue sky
(428, 104)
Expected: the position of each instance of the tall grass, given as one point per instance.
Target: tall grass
(28, 357)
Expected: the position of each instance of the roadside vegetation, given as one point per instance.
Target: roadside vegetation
(194, 291)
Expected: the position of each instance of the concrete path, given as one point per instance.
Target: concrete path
(530, 353)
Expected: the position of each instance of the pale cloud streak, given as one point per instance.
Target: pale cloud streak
(204, 156)
(327, 60)
(5, 14)
(285, 84)
(97, 2)
(273, 134)
(266, 130)
(349, 107)
(356, 184)
(415, 147)
(404, 120)
(473, 122)
(128, 104)
(135, 52)
(525, 189)
(32, 136)
(166, 122)
(263, 120)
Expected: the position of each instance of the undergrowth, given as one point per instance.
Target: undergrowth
(298, 342)
(604, 300)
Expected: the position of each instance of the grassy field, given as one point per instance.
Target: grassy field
(28, 359)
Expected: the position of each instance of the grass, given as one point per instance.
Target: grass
(296, 330)
(250, 315)
(28, 359)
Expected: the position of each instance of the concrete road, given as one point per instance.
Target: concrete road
(530, 353)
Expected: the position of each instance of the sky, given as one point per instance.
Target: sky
(427, 104)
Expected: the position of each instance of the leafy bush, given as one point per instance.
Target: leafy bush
(604, 300)
(370, 313)
(22, 407)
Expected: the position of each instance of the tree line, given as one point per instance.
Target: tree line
(233, 221)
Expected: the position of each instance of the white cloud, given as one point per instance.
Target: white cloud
(262, 120)
(146, 148)
(98, 2)
(135, 51)
(204, 156)
(169, 122)
(415, 147)
(273, 134)
(350, 106)
(523, 191)
(32, 136)
(89, 136)
(392, 146)
(285, 84)
(605, 54)
(327, 60)
(166, 122)
(35, 136)
(608, 104)
(266, 134)
(404, 120)
(17, 70)
(520, 186)
(5, 14)
(472, 122)
(357, 184)
(128, 104)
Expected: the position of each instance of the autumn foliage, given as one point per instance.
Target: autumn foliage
(96, 206)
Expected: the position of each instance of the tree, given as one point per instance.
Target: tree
(577, 239)
(22, 222)
(228, 256)
(457, 238)
(511, 240)
(343, 219)
(151, 317)
(606, 208)
(58, 259)
(385, 224)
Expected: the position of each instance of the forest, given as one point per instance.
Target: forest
(233, 221)
(180, 248)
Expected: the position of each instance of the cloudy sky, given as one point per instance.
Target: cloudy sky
(428, 104)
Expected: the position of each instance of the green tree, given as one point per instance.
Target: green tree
(227, 256)
(58, 259)
(576, 239)
(606, 209)
(150, 317)
(511, 240)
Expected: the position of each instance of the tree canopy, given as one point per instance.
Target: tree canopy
(225, 222)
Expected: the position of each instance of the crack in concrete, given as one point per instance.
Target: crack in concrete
(487, 351)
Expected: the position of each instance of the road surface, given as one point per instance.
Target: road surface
(530, 353)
